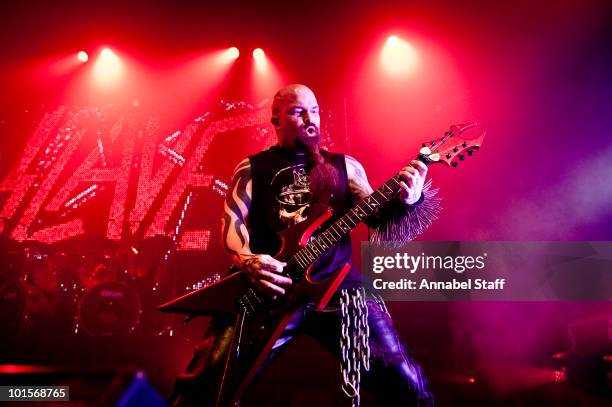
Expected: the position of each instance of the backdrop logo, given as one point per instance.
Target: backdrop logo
(142, 185)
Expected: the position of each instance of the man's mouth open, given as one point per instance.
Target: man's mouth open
(311, 131)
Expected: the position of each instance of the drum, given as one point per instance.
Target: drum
(23, 307)
(108, 309)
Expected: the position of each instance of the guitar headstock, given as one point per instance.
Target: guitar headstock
(451, 147)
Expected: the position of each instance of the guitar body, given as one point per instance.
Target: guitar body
(256, 333)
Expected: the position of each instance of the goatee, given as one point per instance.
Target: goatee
(308, 137)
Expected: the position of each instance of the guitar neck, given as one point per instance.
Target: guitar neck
(345, 224)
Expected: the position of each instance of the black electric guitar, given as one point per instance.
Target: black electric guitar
(260, 321)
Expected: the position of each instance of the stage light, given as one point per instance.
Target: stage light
(397, 56)
(108, 67)
(265, 76)
(228, 56)
(261, 62)
(82, 56)
(258, 54)
(233, 53)
(107, 53)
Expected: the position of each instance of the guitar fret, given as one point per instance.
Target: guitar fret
(387, 190)
(322, 244)
(353, 221)
(300, 259)
(360, 212)
(346, 222)
(395, 182)
(365, 211)
(345, 225)
(382, 197)
(332, 228)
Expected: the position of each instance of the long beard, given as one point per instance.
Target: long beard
(323, 175)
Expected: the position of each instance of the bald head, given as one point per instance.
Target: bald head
(290, 94)
(295, 115)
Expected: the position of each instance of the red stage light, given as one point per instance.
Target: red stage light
(82, 56)
(397, 56)
(261, 62)
(233, 53)
(265, 76)
(108, 68)
(228, 56)
(258, 54)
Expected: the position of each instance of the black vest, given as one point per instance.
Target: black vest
(282, 196)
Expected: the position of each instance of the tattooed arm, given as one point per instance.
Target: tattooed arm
(262, 270)
(359, 185)
(413, 179)
(358, 181)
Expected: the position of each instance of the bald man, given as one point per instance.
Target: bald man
(275, 189)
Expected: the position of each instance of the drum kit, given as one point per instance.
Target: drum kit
(84, 286)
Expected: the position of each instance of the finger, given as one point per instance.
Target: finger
(277, 267)
(276, 278)
(270, 288)
(272, 263)
(404, 175)
(409, 170)
(404, 186)
(419, 166)
(410, 180)
(261, 287)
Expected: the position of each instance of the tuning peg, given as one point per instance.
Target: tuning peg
(456, 149)
(470, 152)
(455, 164)
(464, 144)
(461, 157)
(449, 155)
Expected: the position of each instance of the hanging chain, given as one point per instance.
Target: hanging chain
(354, 345)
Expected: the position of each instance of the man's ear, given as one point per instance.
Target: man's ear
(275, 121)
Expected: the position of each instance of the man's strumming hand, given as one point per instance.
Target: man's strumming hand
(264, 272)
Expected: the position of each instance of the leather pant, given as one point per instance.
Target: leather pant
(394, 378)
